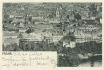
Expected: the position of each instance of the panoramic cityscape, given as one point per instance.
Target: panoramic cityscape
(73, 30)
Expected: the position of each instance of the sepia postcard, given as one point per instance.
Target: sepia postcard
(51, 35)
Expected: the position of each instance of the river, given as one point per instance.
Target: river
(94, 61)
(88, 64)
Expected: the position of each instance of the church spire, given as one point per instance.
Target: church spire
(57, 13)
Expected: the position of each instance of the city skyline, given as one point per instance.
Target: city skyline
(62, 27)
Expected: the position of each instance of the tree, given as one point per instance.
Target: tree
(20, 36)
(33, 45)
(50, 16)
(30, 30)
(9, 48)
(45, 46)
(38, 47)
(16, 47)
(10, 20)
(92, 7)
(27, 48)
(77, 16)
(68, 60)
(7, 4)
(52, 47)
(3, 47)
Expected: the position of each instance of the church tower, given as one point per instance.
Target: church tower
(57, 13)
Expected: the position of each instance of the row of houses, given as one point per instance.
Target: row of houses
(88, 36)
(49, 30)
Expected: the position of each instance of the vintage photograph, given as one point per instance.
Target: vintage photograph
(72, 29)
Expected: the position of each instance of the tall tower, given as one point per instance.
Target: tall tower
(64, 29)
(57, 13)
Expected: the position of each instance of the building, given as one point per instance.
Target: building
(101, 20)
(11, 16)
(88, 27)
(48, 39)
(57, 13)
(10, 35)
(92, 18)
(45, 26)
(22, 30)
(57, 38)
(37, 19)
(47, 32)
(36, 36)
(19, 19)
(28, 41)
(84, 17)
(71, 44)
(86, 35)
(71, 17)
(20, 25)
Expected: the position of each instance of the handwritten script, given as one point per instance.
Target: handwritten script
(30, 59)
